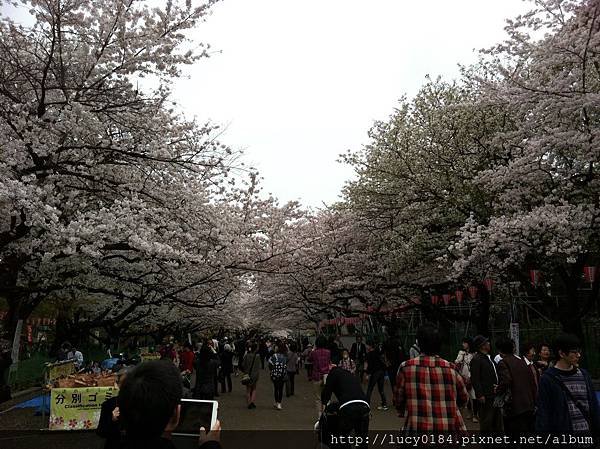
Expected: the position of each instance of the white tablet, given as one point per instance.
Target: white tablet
(196, 413)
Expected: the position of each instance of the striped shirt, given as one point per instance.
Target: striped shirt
(575, 383)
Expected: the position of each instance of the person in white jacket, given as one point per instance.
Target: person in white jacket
(414, 350)
(463, 366)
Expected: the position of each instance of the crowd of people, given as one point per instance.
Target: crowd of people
(542, 391)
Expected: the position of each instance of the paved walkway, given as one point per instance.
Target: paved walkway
(20, 428)
(299, 411)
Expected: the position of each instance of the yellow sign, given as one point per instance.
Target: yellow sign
(146, 357)
(62, 369)
(78, 408)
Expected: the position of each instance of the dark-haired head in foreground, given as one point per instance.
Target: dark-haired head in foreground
(567, 347)
(505, 346)
(430, 341)
(149, 399)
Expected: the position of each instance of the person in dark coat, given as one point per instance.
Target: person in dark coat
(484, 379)
(376, 367)
(207, 367)
(250, 366)
(226, 368)
(334, 349)
(358, 353)
(516, 379)
(353, 411)
(109, 426)
(394, 356)
(567, 402)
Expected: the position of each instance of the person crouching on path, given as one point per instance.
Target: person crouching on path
(429, 389)
(353, 411)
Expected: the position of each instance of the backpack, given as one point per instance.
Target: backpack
(278, 367)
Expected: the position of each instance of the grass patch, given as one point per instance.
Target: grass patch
(29, 373)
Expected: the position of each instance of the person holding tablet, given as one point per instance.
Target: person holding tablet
(149, 403)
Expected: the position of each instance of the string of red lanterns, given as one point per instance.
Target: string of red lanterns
(535, 277)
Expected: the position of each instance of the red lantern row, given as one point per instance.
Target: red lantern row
(589, 275)
(459, 294)
(33, 321)
(341, 321)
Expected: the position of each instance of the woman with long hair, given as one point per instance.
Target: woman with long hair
(463, 366)
(207, 366)
(278, 368)
(251, 367)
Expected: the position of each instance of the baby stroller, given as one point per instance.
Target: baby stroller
(328, 425)
(330, 428)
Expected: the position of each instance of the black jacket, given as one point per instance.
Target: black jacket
(344, 385)
(516, 377)
(375, 361)
(483, 375)
(107, 428)
(356, 354)
(206, 376)
(226, 362)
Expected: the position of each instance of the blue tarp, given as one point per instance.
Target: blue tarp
(598, 395)
(109, 363)
(37, 403)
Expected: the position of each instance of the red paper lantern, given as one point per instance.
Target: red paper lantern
(535, 276)
(489, 283)
(446, 299)
(434, 299)
(473, 292)
(459, 295)
(589, 273)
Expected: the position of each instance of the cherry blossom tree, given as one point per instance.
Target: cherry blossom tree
(415, 189)
(112, 204)
(545, 184)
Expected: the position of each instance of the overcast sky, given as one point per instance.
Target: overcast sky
(299, 82)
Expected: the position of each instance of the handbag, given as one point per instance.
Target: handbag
(246, 379)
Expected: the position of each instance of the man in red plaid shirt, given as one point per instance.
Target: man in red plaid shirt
(430, 389)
